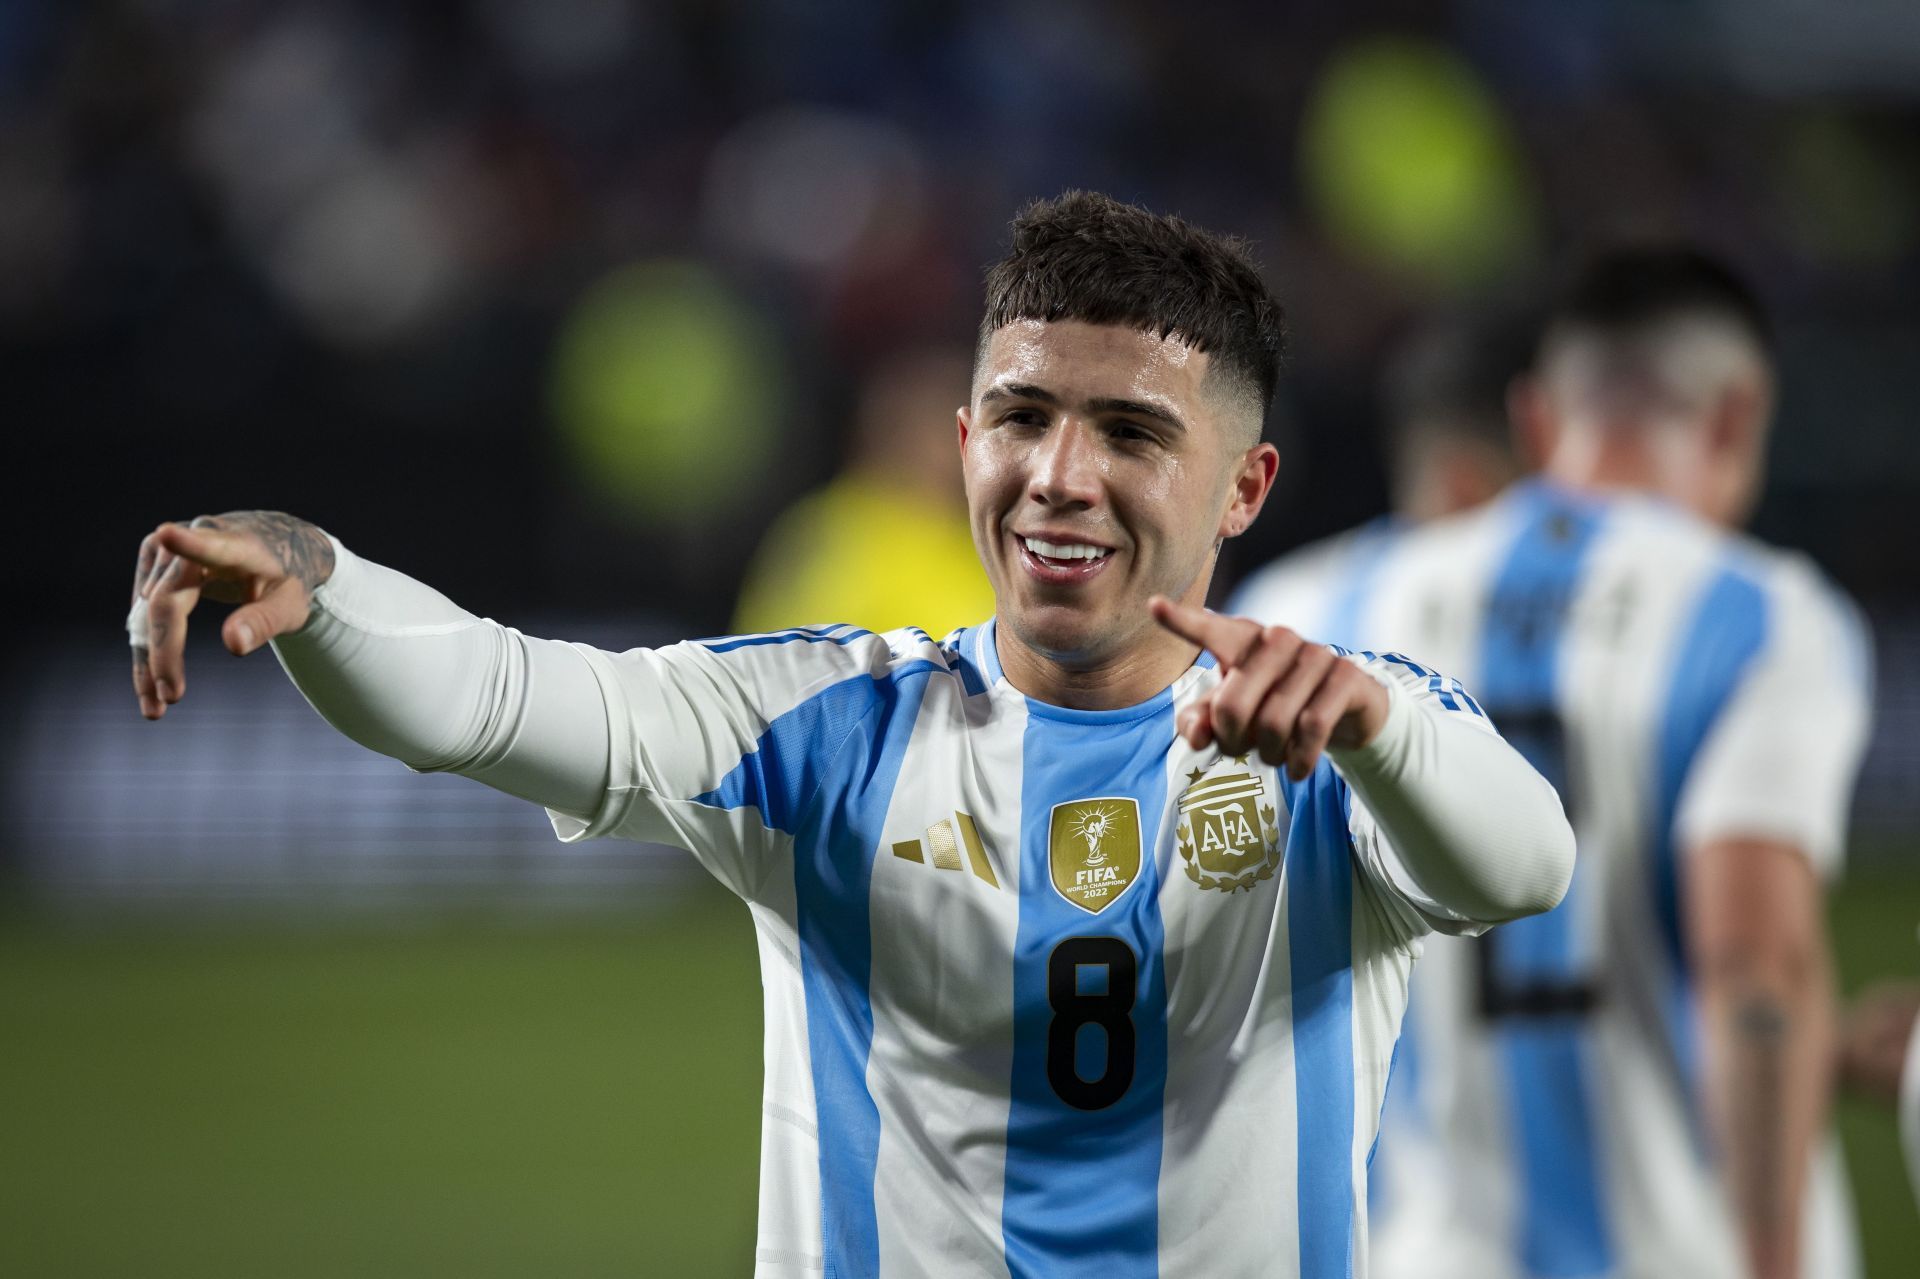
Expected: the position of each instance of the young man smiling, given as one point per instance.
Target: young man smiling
(1084, 932)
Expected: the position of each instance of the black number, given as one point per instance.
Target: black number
(1110, 1007)
(1526, 967)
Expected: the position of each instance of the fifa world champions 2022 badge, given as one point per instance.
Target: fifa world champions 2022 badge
(1093, 850)
(1229, 839)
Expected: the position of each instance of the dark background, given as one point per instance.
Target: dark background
(556, 304)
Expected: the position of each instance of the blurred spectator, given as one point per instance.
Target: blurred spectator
(886, 543)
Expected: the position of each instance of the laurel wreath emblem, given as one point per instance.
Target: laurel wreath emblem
(1270, 832)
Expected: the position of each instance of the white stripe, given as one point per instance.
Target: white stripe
(942, 994)
(790, 1246)
(1229, 1122)
(1382, 963)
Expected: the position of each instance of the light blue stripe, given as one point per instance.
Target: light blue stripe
(825, 771)
(960, 660)
(786, 767)
(1727, 631)
(1318, 885)
(1082, 1186)
(990, 650)
(1563, 1221)
(833, 866)
(800, 635)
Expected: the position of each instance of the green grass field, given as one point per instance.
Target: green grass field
(465, 1097)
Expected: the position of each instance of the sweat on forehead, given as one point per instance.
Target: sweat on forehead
(1097, 365)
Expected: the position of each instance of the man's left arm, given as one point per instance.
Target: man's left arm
(1478, 836)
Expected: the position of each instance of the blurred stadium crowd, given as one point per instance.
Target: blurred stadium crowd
(560, 303)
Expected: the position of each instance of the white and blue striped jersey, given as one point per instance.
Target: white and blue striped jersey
(1677, 683)
(1319, 589)
(1047, 992)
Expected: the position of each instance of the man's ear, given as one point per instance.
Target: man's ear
(1739, 414)
(963, 417)
(1251, 483)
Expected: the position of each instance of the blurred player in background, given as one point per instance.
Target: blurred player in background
(1038, 999)
(885, 544)
(1637, 1083)
(1449, 448)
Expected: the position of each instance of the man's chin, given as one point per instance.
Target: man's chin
(1072, 637)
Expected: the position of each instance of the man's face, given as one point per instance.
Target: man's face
(1102, 467)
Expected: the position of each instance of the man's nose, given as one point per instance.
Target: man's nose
(1066, 469)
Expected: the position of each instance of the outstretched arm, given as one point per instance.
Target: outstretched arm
(1480, 832)
(390, 662)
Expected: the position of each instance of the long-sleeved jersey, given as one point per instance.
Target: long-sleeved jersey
(1678, 684)
(1047, 992)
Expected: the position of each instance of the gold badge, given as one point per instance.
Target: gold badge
(1093, 848)
(1228, 839)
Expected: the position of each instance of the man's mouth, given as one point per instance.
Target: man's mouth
(1062, 562)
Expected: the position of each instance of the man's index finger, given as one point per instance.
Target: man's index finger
(1227, 638)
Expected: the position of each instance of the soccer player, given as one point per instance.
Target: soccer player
(1636, 1083)
(1084, 932)
(1449, 448)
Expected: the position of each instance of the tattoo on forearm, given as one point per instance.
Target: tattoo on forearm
(302, 549)
(1760, 1044)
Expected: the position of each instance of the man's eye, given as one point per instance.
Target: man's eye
(1024, 417)
(1130, 432)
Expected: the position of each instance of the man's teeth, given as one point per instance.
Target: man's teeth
(1065, 550)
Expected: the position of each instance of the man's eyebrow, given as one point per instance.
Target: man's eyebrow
(1099, 404)
(1018, 391)
(1135, 408)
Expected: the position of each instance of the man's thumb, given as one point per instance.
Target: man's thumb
(279, 611)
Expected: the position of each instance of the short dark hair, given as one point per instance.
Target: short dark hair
(1088, 257)
(1453, 374)
(1631, 287)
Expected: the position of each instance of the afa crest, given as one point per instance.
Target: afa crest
(1229, 839)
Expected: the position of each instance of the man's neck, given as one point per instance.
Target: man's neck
(1128, 679)
(1615, 466)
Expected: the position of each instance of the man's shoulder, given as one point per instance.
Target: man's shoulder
(827, 654)
(1806, 611)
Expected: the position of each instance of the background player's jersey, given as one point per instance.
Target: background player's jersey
(1676, 684)
(1320, 589)
(1046, 992)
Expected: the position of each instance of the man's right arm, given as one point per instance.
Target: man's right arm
(681, 745)
(390, 662)
(403, 670)
(1762, 821)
